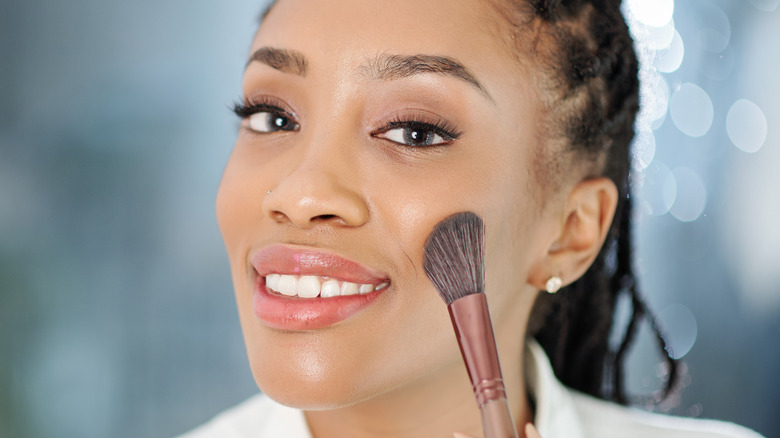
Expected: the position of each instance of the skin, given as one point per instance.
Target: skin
(340, 184)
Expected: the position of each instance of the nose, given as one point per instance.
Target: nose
(322, 188)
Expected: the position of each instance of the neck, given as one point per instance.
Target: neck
(430, 407)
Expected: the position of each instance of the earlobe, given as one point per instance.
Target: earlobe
(586, 221)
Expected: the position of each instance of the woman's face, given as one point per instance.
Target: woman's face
(371, 122)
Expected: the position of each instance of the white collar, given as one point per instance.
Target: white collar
(556, 415)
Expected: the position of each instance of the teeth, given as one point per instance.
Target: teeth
(348, 288)
(310, 286)
(272, 281)
(330, 288)
(288, 285)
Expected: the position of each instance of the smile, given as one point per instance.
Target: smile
(311, 286)
(300, 288)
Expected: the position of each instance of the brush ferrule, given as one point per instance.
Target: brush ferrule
(489, 390)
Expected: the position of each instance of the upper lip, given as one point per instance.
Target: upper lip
(296, 260)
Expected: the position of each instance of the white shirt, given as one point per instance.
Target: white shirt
(560, 413)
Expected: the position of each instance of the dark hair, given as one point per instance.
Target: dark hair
(588, 75)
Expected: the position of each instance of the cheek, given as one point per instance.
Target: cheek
(237, 201)
(516, 232)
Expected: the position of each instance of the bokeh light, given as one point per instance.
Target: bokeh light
(654, 13)
(691, 195)
(655, 99)
(680, 325)
(746, 125)
(766, 5)
(644, 150)
(691, 110)
(670, 60)
(715, 31)
(659, 189)
(659, 38)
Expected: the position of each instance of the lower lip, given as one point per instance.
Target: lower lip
(296, 314)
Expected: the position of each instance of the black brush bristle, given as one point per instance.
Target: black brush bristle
(454, 256)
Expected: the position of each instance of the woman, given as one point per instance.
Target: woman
(366, 123)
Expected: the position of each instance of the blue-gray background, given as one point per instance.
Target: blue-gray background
(116, 309)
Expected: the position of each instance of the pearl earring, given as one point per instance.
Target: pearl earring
(553, 284)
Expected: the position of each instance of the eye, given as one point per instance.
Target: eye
(413, 136)
(418, 134)
(270, 121)
(266, 116)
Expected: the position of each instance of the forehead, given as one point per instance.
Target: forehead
(388, 17)
(348, 31)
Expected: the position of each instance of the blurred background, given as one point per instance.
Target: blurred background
(116, 307)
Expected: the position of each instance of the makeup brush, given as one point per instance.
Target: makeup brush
(454, 262)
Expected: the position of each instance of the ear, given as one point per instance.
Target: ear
(584, 224)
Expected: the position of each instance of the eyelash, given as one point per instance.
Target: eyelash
(264, 104)
(446, 130)
(439, 127)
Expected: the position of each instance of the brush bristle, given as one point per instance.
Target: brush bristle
(454, 256)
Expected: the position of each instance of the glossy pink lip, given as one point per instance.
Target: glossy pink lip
(293, 313)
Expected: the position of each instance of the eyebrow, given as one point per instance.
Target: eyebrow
(287, 61)
(384, 67)
(390, 67)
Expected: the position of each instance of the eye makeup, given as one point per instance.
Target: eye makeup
(276, 118)
(418, 131)
(254, 105)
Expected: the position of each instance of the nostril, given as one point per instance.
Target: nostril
(325, 217)
(278, 216)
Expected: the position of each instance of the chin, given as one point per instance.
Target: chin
(301, 393)
(305, 378)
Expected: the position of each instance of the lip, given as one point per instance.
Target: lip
(294, 313)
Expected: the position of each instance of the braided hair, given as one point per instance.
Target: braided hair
(588, 75)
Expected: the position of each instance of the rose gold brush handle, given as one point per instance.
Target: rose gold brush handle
(474, 332)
